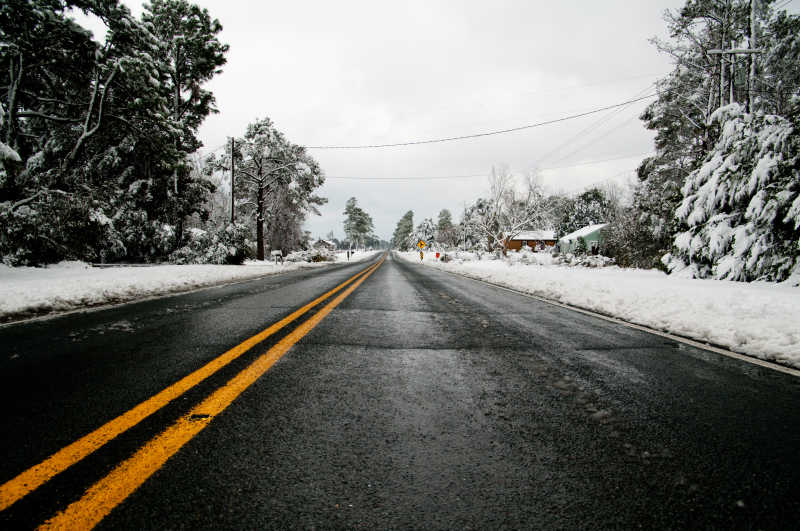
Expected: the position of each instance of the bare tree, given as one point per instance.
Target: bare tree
(508, 210)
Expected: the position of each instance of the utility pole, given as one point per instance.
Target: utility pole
(732, 53)
(233, 201)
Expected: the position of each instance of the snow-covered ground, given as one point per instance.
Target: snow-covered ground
(758, 319)
(73, 285)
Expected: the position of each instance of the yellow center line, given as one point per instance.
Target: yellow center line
(101, 498)
(31, 479)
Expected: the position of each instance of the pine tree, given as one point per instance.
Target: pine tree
(589, 208)
(402, 232)
(98, 144)
(275, 183)
(190, 55)
(357, 224)
(741, 208)
(426, 232)
(687, 130)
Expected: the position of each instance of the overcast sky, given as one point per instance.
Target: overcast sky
(373, 72)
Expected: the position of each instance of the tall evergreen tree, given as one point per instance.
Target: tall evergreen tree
(357, 223)
(702, 82)
(190, 54)
(402, 232)
(97, 142)
(741, 208)
(275, 183)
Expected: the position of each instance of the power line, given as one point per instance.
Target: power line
(216, 148)
(438, 177)
(586, 131)
(488, 133)
(586, 163)
(484, 174)
(594, 140)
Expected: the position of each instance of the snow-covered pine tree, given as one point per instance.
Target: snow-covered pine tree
(292, 200)
(271, 174)
(189, 55)
(425, 231)
(741, 209)
(699, 84)
(402, 232)
(357, 223)
(92, 123)
(581, 247)
(446, 233)
(572, 213)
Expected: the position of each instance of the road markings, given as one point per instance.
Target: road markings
(31, 479)
(101, 498)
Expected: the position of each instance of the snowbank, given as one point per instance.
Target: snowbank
(67, 286)
(759, 319)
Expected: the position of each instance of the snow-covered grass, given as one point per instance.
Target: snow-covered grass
(759, 319)
(73, 285)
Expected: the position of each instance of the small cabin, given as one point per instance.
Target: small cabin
(536, 240)
(591, 234)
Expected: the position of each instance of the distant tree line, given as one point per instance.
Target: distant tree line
(509, 208)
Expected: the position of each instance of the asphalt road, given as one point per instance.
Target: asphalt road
(423, 400)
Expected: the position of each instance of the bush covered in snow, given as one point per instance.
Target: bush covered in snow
(585, 260)
(53, 227)
(312, 255)
(527, 257)
(228, 245)
(741, 208)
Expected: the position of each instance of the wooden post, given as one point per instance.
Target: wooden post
(732, 80)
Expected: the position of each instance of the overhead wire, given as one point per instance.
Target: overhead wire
(616, 108)
(484, 174)
(210, 151)
(598, 127)
(483, 134)
(591, 127)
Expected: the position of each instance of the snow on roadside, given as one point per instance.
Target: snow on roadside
(759, 319)
(74, 285)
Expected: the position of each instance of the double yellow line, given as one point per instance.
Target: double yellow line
(110, 491)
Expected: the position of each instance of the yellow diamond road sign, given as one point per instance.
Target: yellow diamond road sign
(421, 244)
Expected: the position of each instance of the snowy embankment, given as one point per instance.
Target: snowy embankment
(26, 291)
(758, 319)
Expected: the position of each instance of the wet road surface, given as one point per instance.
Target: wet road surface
(422, 400)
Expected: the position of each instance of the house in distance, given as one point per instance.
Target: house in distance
(590, 234)
(324, 244)
(537, 240)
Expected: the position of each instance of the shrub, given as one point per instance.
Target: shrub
(227, 245)
(312, 255)
(56, 227)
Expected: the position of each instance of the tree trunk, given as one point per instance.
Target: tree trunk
(260, 224)
(10, 191)
(751, 75)
(179, 232)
